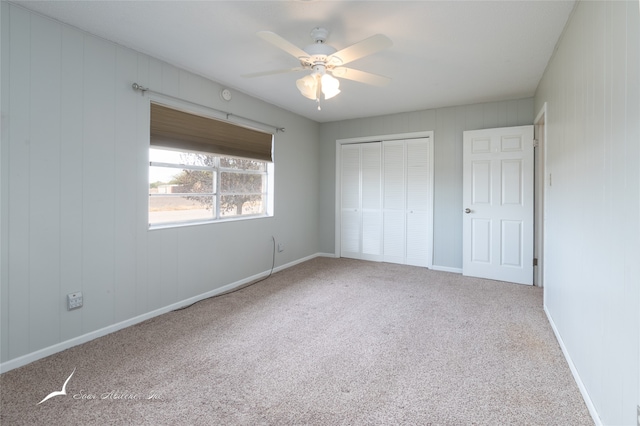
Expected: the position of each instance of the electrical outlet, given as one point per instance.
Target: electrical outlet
(280, 247)
(74, 300)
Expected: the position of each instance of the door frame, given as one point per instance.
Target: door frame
(541, 184)
(380, 138)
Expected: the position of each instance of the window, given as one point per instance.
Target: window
(192, 187)
(193, 178)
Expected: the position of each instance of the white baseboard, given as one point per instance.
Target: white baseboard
(301, 260)
(446, 269)
(59, 347)
(332, 255)
(574, 371)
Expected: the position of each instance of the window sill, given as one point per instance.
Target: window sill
(170, 225)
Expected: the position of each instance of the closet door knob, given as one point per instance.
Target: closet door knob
(467, 210)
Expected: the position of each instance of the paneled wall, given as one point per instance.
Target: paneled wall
(74, 173)
(448, 125)
(592, 238)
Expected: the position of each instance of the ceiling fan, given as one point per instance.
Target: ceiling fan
(326, 63)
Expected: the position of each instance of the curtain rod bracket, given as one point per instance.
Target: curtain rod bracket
(136, 86)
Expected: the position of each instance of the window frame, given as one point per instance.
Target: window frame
(217, 170)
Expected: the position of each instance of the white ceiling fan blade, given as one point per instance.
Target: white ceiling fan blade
(283, 44)
(361, 76)
(362, 48)
(272, 72)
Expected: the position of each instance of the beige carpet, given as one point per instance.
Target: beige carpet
(327, 342)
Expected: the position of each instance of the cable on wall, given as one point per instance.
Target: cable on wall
(273, 264)
(143, 90)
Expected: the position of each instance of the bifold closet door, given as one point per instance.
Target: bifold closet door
(406, 206)
(371, 200)
(350, 202)
(385, 201)
(418, 189)
(394, 201)
(361, 215)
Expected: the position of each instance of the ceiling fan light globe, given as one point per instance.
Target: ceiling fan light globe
(331, 94)
(330, 86)
(307, 86)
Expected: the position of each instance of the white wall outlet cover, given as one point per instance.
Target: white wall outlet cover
(225, 94)
(74, 300)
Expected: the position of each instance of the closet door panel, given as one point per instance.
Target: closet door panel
(393, 175)
(394, 239)
(418, 250)
(371, 234)
(418, 205)
(394, 201)
(371, 167)
(350, 234)
(418, 178)
(350, 215)
(350, 171)
(371, 176)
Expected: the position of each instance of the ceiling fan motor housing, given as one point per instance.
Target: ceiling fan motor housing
(319, 52)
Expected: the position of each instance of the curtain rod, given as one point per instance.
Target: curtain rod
(142, 89)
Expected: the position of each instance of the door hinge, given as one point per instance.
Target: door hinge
(535, 261)
(535, 143)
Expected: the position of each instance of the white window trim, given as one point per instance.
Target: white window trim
(201, 110)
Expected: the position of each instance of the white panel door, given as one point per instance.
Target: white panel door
(498, 204)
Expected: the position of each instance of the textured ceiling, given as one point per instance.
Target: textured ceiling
(444, 53)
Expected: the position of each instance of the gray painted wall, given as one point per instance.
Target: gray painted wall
(73, 191)
(74, 167)
(448, 125)
(592, 245)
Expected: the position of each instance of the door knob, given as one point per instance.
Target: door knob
(467, 210)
